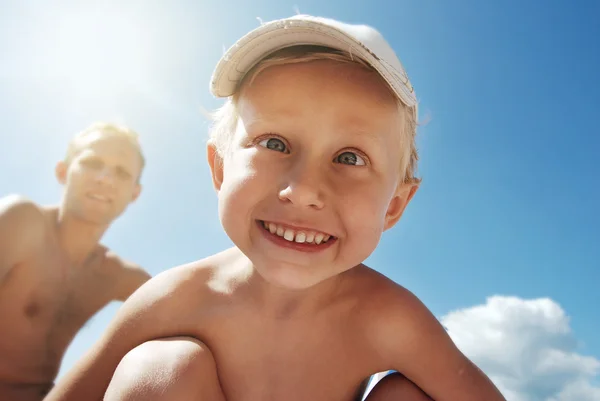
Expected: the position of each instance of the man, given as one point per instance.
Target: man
(54, 273)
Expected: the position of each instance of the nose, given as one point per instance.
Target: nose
(105, 176)
(304, 187)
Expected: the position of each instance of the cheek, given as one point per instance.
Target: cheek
(360, 215)
(73, 172)
(365, 201)
(80, 176)
(244, 185)
(245, 174)
(126, 191)
(363, 210)
(75, 178)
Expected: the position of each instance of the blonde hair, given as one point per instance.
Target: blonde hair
(105, 129)
(225, 118)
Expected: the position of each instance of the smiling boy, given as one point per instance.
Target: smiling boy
(313, 157)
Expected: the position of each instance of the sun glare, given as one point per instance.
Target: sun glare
(95, 52)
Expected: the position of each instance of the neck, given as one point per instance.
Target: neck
(78, 238)
(286, 303)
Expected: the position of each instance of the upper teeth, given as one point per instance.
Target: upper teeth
(312, 237)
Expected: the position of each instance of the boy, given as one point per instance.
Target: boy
(54, 274)
(312, 157)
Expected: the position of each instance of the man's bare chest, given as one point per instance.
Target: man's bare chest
(46, 301)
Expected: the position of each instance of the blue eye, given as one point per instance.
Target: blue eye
(350, 158)
(275, 144)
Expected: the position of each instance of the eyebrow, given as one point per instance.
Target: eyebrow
(89, 157)
(355, 127)
(272, 116)
(361, 132)
(92, 156)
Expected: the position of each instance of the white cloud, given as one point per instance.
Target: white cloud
(527, 348)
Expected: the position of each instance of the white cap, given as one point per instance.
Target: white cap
(360, 40)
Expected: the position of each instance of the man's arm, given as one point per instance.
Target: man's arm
(133, 278)
(128, 277)
(22, 229)
(150, 313)
(419, 348)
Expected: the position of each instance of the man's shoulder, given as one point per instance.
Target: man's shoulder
(19, 209)
(23, 224)
(23, 231)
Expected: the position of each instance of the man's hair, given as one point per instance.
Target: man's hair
(225, 118)
(108, 130)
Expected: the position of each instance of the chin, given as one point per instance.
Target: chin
(292, 277)
(100, 219)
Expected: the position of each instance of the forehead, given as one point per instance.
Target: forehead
(325, 86)
(111, 148)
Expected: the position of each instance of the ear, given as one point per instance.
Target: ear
(403, 195)
(215, 161)
(136, 192)
(61, 172)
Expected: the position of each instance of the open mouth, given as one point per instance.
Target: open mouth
(299, 236)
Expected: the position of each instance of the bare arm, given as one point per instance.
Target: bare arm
(154, 311)
(133, 278)
(128, 277)
(420, 349)
(22, 229)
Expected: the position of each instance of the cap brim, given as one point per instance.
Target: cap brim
(270, 37)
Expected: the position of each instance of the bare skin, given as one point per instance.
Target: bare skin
(307, 185)
(47, 299)
(250, 347)
(54, 274)
(183, 368)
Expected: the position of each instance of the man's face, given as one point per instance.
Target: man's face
(310, 180)
(101, 179)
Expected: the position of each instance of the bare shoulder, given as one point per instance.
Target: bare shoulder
(16, 210)
(411, 340)
(161, 306)
(393, 312)
(23, 228)
(181, 284)
(379, 296)
(395, 316)
(12, 200)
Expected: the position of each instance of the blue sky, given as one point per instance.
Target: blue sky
(508, 204)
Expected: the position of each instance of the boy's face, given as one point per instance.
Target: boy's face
(315, 156)
(101, 179)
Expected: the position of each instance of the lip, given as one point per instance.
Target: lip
(297, 246)
(297, 227)
(107, 199)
